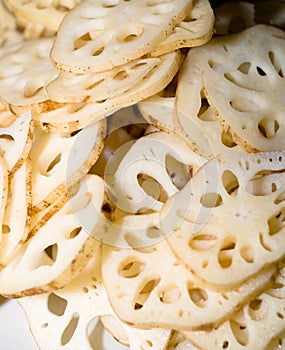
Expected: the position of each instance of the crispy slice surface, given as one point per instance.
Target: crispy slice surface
(195, 30)
(16, 220)
(148, 287)
(61, 248)
(104, 34)
(61, 159)
(226, 224)
(26, 70)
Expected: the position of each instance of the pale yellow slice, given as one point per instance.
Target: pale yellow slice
(99, 35)
(227, 223)
(195, 30)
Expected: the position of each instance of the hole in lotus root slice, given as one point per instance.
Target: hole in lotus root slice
(179, 173)
(169, 294)
(276, 63)
(53, 163)
(230, 182)
(51, 251)
(56, 304)
(144, 293)
(239, 329)
(225, 254)
(211, 200)
(202, 241)
(130, 268)
(70, 329)
(268, 127)
(276, 223)
(198, 296)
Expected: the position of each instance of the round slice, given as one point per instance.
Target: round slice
(59, 160)
(227, 223)
(195, 30)
(260, 324)
(148, 173)
(244, 85)
(100, 34)
(73, 117)
(148, 287)
(61, 248)
(25, 72)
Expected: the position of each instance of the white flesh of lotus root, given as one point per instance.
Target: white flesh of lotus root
(25, 72)
(223, 227)
(196, 121)
(114, 326)
(108, 33)
(179, 342)
(16, 141)
(82, 300)
(8, 32)
(149, 158)
(245, 86)
(148, 287)
(47, 13)
(32, 30)
(59, 160)
(234, 17)
(97, 87)
(256, 326)
(195, 30)
(16, 220)
(79, 116)
(61, 248)
(3, 191)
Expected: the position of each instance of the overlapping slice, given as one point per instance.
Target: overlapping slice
(16, 220)
(79, 304)
(227, 224)
(25, 71)
(244, 84)
(61, 248)
(8, 32)
(73, 117)
(104, 34)
(96, 87)
(148, 287)
(49, 14)
(15, 139)
(148, 173)
(195, 30)
(260, 324)
(59, 160)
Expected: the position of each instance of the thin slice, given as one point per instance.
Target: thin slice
(259, 325)
(148, 287)
(146, 175)
(82, 300)
(113, 326)
(59, 160)
(227, 223)
(73, 117)
(16, 220)
(97, 87)
(61, 248)
(195, 30)
(16, 140)
(103, 34)
(25, 72)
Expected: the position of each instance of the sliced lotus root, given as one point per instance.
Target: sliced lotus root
(148, 287)
(234, 17)
(97, 87)
(244, 87)
(8, 31)
(68, 318)
(61, 159)
(46, 13)
(196, 121)
(259, 325)
(108, 33)
(3, 191)
(146, 176)
(114, 326)
(15, 140)
(25, 72)
(31, 29)
(73, 117)
(16, 220)
(226, 224)
(195, 30)
(61, 248)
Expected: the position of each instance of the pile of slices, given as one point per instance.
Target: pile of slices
(142, 173)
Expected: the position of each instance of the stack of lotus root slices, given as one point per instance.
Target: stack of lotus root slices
(142, 173)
